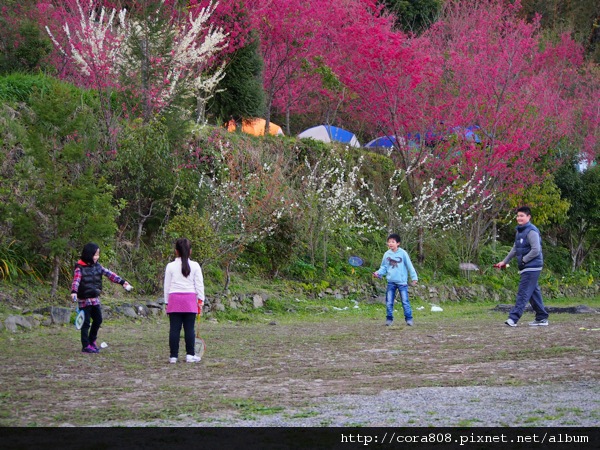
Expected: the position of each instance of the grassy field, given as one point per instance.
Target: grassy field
(284, 357)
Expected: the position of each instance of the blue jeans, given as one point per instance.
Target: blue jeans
(529, 292)
(389, 300)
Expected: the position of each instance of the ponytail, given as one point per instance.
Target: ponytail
(183, 247)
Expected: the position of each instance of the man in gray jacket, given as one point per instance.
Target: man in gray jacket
(528, 251)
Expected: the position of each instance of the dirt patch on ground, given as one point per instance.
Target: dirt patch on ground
(278, 366)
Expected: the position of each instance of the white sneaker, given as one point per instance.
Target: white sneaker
(192, 358)
(172, 360)
(510, 323)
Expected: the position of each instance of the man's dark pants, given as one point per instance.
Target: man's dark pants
(529, 291)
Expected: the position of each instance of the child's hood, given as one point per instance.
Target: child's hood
(397, 252)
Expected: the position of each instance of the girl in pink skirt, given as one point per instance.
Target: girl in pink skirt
(184, 294)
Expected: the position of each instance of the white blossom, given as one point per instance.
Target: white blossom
(97, 40)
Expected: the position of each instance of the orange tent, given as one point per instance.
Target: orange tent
(256, 127)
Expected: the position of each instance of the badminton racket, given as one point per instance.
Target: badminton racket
(79, 318)
(355, 261)
(200, 346)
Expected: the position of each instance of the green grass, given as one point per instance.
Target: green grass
(14, 265)
(530, 420)
(576, 411)
(468, 423)
(304, 415)
(249, 409)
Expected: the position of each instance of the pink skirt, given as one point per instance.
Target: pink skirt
(182, 302)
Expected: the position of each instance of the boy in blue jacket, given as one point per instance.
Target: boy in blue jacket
(396, 266)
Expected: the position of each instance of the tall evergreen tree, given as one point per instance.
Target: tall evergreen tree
(414, 15)
(241, 94)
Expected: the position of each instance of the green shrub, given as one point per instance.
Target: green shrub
(301, 271)
(27, 46)
(279, 246)
(14, 263)
(144, 267)
(191, 225)
(491, 254)
(557, 259)
(18, 87)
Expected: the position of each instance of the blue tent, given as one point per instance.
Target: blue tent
(469, 133)
(429, 138)
(329, 133)
(382, 141)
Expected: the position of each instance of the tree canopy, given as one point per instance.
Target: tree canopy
(484, 101)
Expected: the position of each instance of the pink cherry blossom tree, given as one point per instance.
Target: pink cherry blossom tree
(500, 75)
(478, 66)
(287, 30)
(586, 133)
(300, 45)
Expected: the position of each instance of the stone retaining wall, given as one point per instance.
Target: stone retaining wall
(371, 293)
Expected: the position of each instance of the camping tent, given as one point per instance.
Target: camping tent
(384, 141)
(429, 138)
(469, 133)
(256, 127)
(329, 133)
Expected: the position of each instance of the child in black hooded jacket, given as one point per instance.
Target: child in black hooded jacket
(86, 289)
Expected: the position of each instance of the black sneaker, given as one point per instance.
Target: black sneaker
(539, 323)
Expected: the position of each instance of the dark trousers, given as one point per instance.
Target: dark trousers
(90, 334)
(177, 320)
(529, 292)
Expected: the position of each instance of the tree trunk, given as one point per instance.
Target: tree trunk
(140, 229)
(55, 273)
(287, 122)
(312, 245)
(227, 276)
(325, 252)
(268, 114)
(141, 223)
(200, 108)
(420, 246)
(145, 74)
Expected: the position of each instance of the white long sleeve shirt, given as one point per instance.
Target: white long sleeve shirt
(176, 282)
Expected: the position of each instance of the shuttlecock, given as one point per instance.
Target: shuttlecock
(435, 308)
(103, 345)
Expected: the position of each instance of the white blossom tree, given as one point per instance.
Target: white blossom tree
(334, 199)
(246, 196)
(158, 58)
(437, 208)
